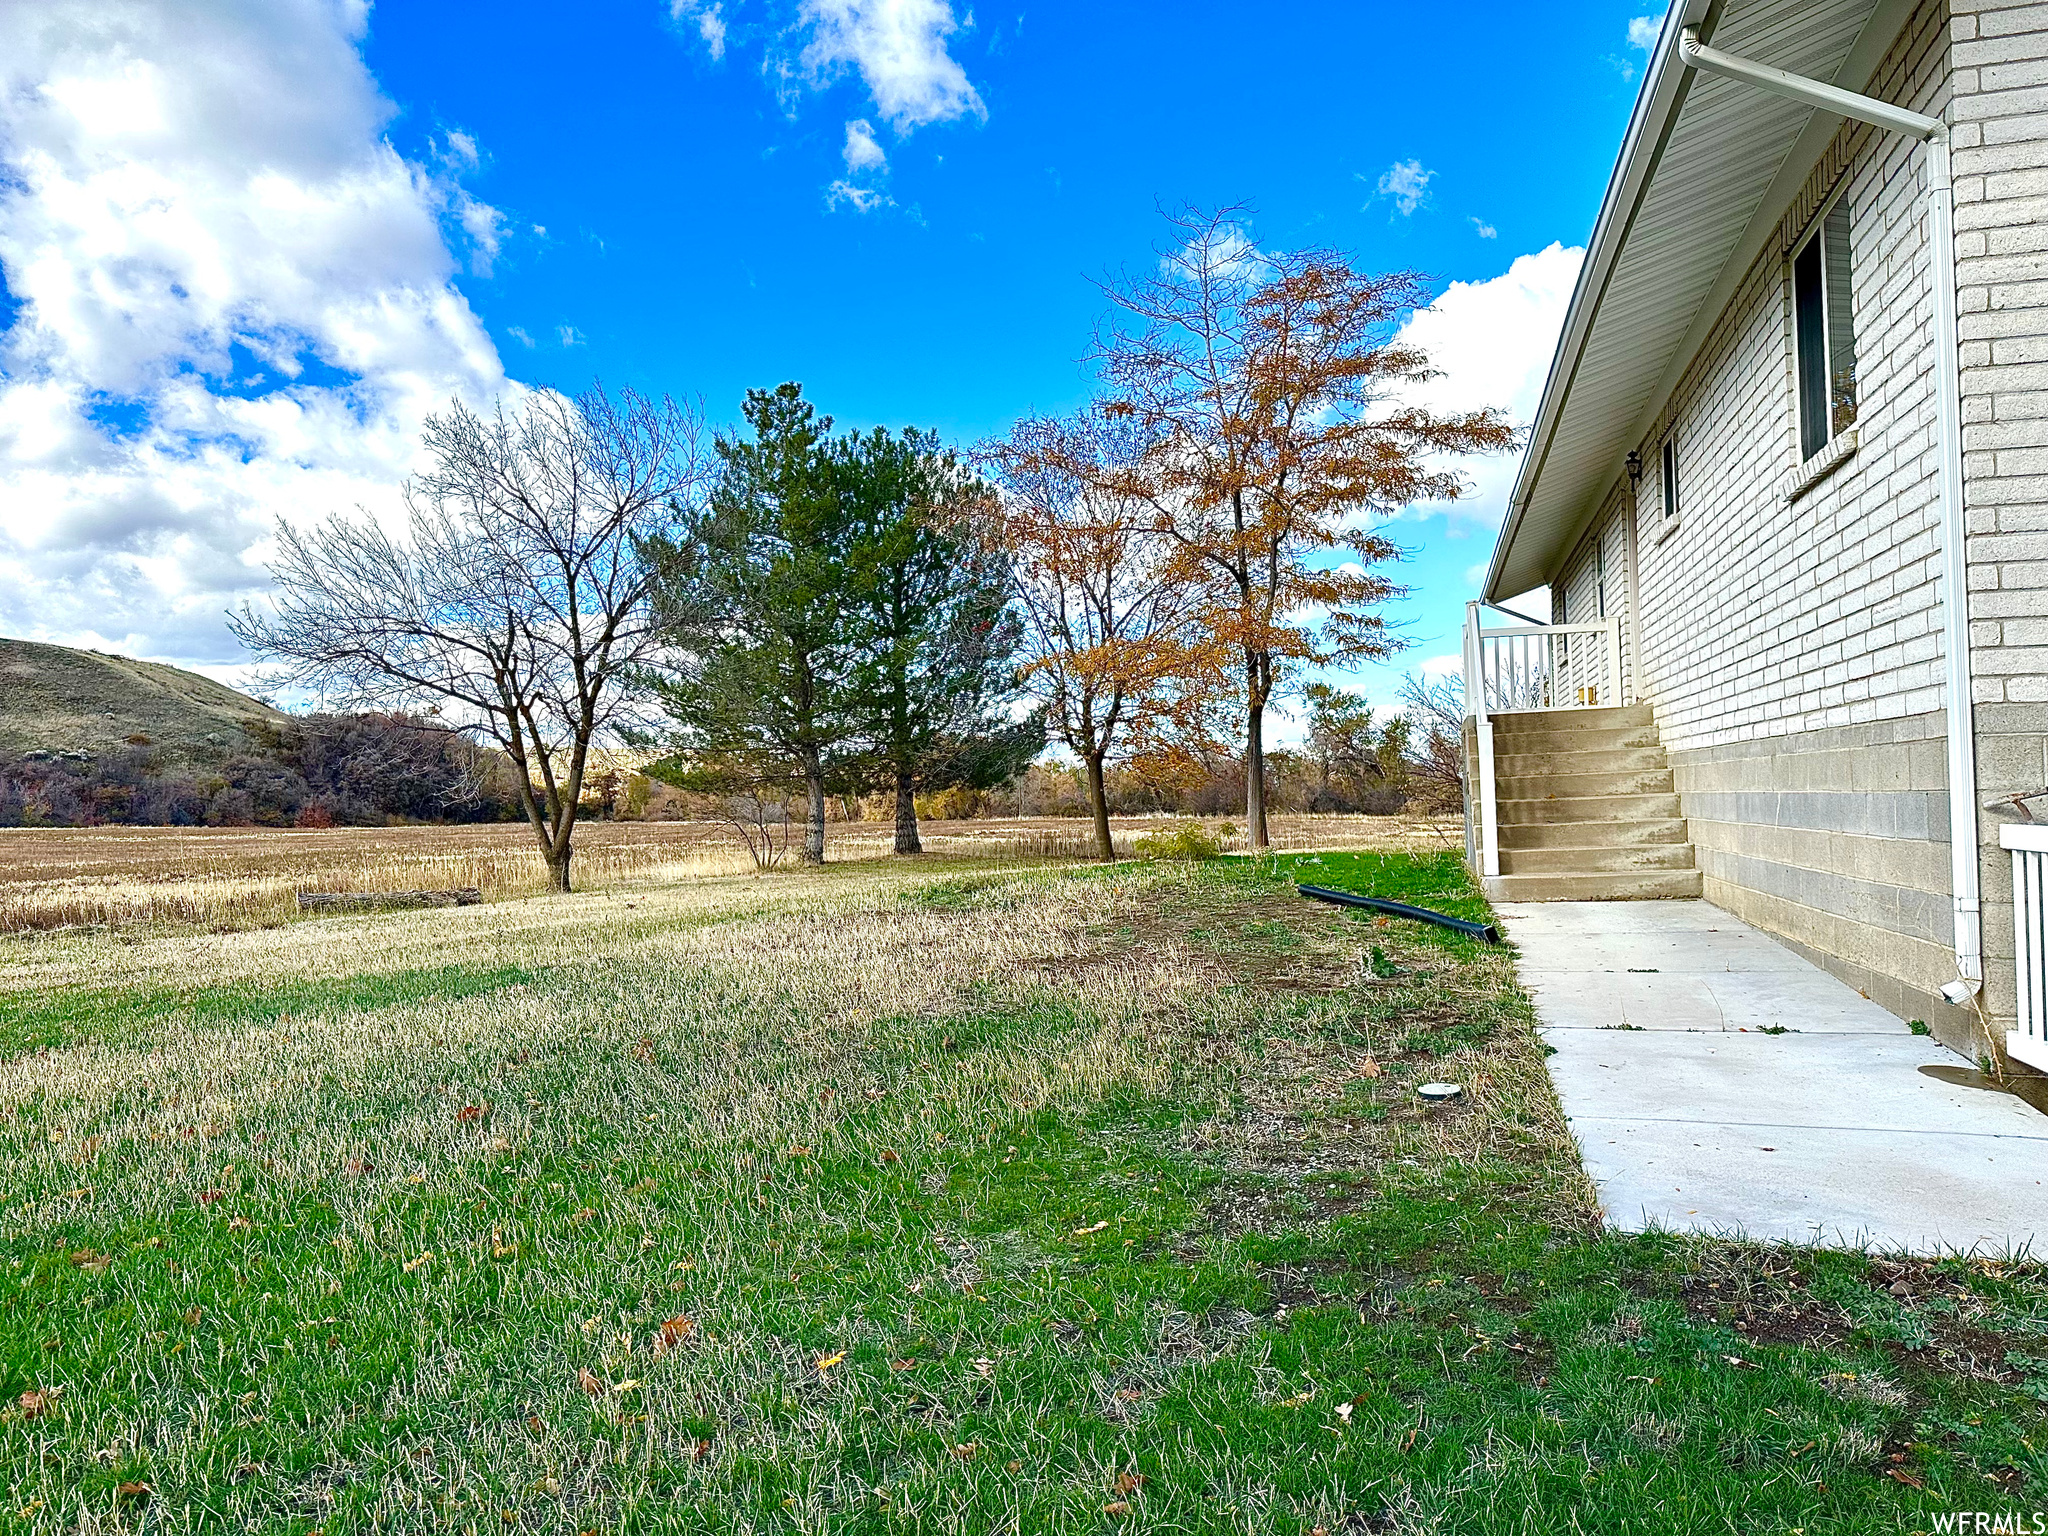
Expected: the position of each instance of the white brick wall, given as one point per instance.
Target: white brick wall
(2001, 157)
(1757, 618)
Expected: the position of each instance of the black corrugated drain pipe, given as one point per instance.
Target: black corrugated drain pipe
(1486, 933)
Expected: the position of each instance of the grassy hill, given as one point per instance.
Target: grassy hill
(56, 699)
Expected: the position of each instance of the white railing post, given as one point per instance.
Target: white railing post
(1489, 810)
(1476, 705)
(1612, 694)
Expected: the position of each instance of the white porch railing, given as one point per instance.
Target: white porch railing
(2028, 843)
(1526, 667)
(1544, 666)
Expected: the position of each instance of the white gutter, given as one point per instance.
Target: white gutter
(1948, 413)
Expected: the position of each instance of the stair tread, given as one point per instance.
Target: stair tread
(1642, 885)
(1588, 809)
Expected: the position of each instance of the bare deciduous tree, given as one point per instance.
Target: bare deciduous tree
(1114, 652)
(1269, 386)
(517, 601)
(1436, 737)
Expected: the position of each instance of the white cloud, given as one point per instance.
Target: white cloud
(1484, 230)
(1491, 343)
(462, 150)
(570, 336)
(860, 199)
(520, 334)
(711, 27)
(1642, 32)
(899, 47)
(709, 19)
(1407, 183)
(485, 227)
(862, 152)
(235, 299)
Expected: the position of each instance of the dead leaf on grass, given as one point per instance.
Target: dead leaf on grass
(672, 1332)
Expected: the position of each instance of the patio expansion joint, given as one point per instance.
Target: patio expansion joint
(1783, 1125)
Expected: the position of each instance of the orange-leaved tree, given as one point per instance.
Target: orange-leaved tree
(1115, 648)
(1273, 396)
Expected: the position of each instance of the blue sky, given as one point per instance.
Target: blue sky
(245, 245)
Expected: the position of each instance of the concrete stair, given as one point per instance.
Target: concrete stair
(1587, 809)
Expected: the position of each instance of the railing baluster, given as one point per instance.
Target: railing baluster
(1548, 666)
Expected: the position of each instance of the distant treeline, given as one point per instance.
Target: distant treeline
(316, 771)
(374, 769)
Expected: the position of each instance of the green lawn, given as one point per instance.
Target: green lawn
(927, 1200)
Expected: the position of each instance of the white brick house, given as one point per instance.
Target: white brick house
(1762, 456)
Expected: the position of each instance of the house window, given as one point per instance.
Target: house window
(1822, 331)
(1670, 478)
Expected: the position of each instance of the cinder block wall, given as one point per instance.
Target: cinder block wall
(2000, 133)
(1837, 841)
(1792, 646)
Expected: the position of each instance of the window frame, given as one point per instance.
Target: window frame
(1825, 329)
(1667, 479)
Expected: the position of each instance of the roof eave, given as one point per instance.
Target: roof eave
(1657, 106)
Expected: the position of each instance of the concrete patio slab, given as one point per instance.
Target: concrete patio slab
(1690, 1118)
(1840, 1190)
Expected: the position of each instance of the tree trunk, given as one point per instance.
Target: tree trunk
(906, 813)
(558, 867)
(1098, 805)
(1255, 776)
(814, 834)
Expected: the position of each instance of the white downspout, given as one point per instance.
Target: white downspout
(1964, 877)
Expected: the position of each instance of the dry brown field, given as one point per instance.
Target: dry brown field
(249, 876)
